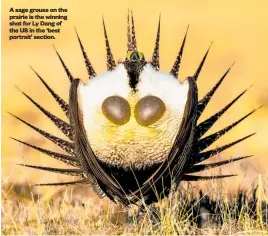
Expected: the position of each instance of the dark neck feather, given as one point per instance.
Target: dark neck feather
(134, 69)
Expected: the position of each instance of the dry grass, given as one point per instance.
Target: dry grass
(71, 211)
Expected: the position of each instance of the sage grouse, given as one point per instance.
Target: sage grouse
(133, 132)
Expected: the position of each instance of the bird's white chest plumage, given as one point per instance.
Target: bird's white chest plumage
(132, 144)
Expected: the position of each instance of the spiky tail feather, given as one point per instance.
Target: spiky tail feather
(110, 59)
(176, 67)
(155, 58)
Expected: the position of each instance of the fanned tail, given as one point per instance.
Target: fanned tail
(203, 143)
(200, 143)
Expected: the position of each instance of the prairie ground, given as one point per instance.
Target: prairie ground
(77, 211)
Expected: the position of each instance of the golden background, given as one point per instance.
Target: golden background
(239, 30)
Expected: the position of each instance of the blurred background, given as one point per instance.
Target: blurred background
(239, 30)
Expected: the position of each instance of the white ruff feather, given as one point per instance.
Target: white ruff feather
(132, 144)
(164, 86)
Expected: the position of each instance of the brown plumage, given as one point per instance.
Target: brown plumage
(130, 185)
